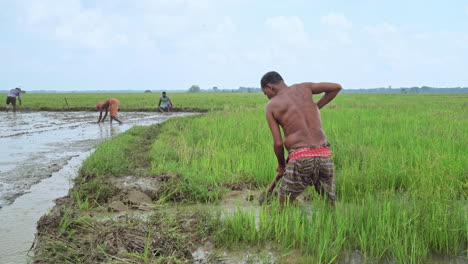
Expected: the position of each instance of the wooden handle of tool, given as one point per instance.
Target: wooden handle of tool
(273, 183)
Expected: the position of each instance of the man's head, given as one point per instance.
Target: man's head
(17, 88)
(98, 105)
(269, 83)
(164, 94)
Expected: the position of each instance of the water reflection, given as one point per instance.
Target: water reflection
(108, 130)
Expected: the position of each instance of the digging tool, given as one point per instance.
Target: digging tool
(270, 188)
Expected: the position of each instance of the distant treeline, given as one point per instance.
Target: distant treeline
(197, 89)
(423, 89)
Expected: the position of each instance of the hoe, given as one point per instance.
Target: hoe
(270, 189)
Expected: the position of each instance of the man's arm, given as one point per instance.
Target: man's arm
(170, 103)
(105, 115)
(330, 90)
(100, 115)
(277, 139)
(159, 103)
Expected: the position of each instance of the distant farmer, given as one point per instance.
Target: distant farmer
(166, 103)
(309, 161)
(11, 98)
(111, 105)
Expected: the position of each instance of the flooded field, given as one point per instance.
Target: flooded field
(40, 152)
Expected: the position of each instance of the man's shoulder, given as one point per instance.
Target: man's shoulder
(273, 104)
(302, 85)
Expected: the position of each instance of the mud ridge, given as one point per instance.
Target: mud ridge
(92, 109)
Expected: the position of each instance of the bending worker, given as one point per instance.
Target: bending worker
(11, 98)
(309, 160)
(111, 105)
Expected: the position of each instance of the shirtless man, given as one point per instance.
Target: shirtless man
(111, 105)
(309, 160)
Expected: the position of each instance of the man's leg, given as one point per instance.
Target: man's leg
(292, 184)
(116, 119)
(161, 109)
(326, 181)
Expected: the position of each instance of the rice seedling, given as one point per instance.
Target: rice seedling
(400, 169)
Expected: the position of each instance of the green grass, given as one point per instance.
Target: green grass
(138, 101)
(400, 173)
(400, 162)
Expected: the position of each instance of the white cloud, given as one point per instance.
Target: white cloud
(48, 11)
(338, 27)
(380, 30)
(287, 29)
(406, 48)
(90, 28)
(336, 21)
(74, 25)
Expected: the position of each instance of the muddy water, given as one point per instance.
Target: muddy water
(39, 153)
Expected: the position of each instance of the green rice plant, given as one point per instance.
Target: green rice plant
(400, 173)
(94, 192)
(65, 222)
(81, 201)
(400, 169)
(145, 255)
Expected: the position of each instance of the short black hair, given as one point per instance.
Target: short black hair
(270, 77)
(163, 92)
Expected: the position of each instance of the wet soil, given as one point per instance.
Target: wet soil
(40, 153)
(37, 144)
(92, 109)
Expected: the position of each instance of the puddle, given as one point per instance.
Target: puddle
(40, 153)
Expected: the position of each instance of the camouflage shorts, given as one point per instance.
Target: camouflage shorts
(304, 172)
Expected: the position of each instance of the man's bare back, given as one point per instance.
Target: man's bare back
(294, 110)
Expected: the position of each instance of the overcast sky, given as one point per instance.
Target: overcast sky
(173, 44)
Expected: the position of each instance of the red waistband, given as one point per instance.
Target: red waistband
(309, 152)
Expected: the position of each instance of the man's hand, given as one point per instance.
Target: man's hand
(280, 170)
(20, 102)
